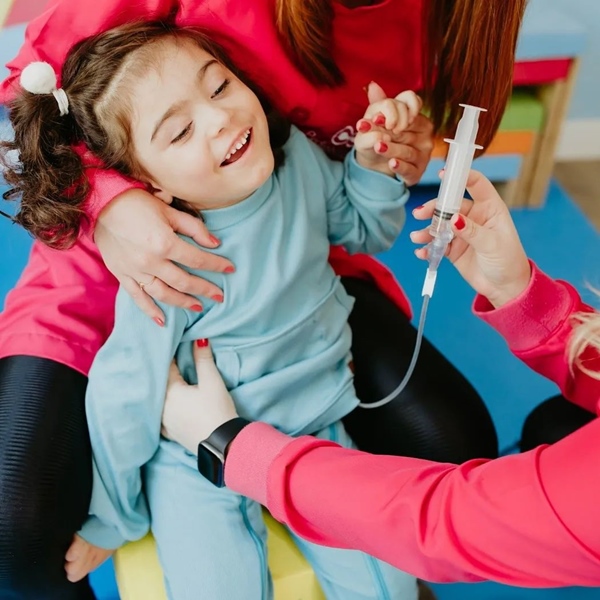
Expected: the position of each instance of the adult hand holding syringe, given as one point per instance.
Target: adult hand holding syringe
(458, 164)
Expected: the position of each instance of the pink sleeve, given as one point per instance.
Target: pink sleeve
(530, 519)
(537, 326)
(105, 185)
(63, 23)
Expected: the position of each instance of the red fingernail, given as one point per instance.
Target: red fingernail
(196, 308)
(383, 147)
(419, 207)
(460, 223)
(229, 270)
(202, 343)
(215, 240)
(159, 321)
(379, 120)
(217, 297)
(364, 126)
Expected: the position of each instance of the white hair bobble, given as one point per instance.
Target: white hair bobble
(40, 78)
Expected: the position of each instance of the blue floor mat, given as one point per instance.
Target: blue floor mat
(558, 237)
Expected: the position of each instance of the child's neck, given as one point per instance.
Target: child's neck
(204, 205)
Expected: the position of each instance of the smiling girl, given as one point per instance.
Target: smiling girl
(165, 106)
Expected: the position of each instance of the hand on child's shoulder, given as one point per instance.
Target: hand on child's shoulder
(82, 558)
(379, 132)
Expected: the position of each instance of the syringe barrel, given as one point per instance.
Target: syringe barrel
(453, 185)
(458, 164)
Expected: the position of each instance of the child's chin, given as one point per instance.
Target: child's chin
(263, 169)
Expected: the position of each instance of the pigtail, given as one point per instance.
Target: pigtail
(306, 27)
(469, 49)
(43, 169)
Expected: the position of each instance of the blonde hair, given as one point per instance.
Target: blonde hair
(585, 338)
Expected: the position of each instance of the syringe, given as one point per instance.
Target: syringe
(458, 164)
(456, 172)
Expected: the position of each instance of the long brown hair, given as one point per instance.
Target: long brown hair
(468, 53)
(50, 175)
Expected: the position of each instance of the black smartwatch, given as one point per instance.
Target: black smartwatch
(213, 450)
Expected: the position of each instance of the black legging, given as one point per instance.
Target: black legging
(551, 421)
(45, 477)
(45, 459)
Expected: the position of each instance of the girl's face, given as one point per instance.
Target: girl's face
(198, 131)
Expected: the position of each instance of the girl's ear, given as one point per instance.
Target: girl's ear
(161, 195)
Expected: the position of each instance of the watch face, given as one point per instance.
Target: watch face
(210, 467)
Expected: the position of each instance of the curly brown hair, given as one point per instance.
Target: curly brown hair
(50, 175)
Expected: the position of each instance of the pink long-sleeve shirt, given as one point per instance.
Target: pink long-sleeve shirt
(63, 306)
(530, 519)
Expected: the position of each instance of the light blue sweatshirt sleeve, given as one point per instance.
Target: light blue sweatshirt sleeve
(124, 403)
(365, 208)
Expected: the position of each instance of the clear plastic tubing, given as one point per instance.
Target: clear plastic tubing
(456, 172)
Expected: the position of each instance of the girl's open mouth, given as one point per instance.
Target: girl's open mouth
(238, 149)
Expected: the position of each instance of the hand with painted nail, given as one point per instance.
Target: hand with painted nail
(193, 412)
(82, 558)
(136, 236)
(486, 249)
(393, 137)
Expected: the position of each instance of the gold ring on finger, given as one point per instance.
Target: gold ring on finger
(143, 285)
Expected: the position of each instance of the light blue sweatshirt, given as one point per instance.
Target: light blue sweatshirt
(281, 337)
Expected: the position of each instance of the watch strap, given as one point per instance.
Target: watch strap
(217, 445)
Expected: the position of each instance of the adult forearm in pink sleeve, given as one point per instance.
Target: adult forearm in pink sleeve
(530, 519)
(105, 185)
(537, 327)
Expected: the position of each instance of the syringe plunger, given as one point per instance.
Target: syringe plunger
(458, 164)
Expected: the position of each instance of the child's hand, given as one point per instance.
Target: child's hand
(82, 558)
(382, 126)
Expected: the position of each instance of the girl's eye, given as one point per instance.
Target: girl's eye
(221, 88)
(182, 135)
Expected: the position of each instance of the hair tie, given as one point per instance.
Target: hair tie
(40, 78)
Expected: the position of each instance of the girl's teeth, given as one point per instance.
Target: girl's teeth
(238, 145)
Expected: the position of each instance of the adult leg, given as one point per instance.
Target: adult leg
(551, 421)
(45, 477)
(211, 542)
(439, 415)
(353, 575)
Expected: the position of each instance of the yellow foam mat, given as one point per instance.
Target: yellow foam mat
(139, 575)
(4, 8)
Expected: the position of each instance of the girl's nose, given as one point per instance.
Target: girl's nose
(218, 120)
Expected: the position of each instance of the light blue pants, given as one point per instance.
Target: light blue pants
(212, 542)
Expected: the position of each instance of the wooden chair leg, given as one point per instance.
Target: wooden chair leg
(531, 187)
